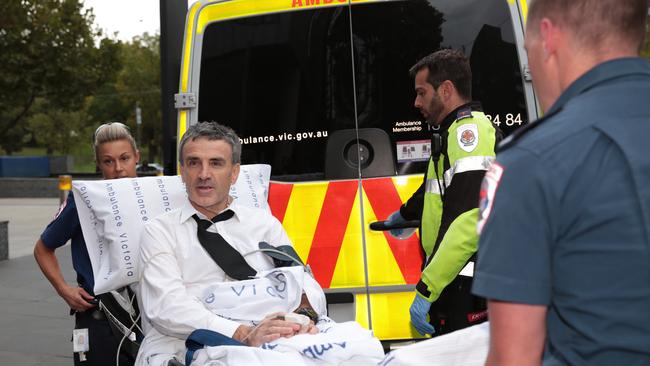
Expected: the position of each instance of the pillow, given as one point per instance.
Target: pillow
(113, 212)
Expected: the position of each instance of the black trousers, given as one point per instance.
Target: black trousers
(103, 343)
(457, 308)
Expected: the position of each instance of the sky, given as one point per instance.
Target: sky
(127, 17)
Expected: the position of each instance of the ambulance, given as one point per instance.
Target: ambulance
(320, 90)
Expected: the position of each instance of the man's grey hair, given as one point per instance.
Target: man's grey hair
(212, 131)
(595, 24)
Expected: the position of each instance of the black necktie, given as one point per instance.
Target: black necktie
(226, 257)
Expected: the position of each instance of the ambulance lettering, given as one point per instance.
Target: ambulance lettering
(302, 3)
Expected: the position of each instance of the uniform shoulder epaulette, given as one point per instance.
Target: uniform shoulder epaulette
(464, 113)
(510, 141)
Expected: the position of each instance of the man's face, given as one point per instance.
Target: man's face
(427, 99)
(208, 173)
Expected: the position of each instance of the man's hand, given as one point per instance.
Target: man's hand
(271, 328)
(393, 219)
(419, 311)
(76, 297)
(308, 329)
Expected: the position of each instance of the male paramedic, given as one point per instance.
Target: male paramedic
(564, 254)
(446, 202)
(179, 271)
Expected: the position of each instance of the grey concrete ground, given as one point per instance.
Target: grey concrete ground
(27, 218)
(34, 320)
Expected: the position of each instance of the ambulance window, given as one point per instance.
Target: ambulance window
(284, 83)
(389, 37)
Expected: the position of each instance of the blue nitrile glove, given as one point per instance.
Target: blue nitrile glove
(419, 311)
(395, 218)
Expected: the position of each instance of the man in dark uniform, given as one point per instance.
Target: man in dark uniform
(446, 202)
(564, 254)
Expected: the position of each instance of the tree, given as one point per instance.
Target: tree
(138, 83)
(107, 105)
(47, 50)
(59, 130)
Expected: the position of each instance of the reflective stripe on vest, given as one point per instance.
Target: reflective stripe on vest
(467, 164)
(468, 270)
(434, 186)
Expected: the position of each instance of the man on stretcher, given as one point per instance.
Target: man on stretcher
(217, 265)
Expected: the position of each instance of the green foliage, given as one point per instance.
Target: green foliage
(47, 50)
(139, 84)
(59, 79)
(136, 83)
(84, 159)
(107, 105)
(59, 130)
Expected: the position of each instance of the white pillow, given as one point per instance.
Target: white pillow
(112, 214)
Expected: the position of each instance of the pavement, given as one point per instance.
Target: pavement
(35, 321)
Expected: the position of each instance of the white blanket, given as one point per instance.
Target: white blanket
(276, 290)
(465, 347)
(336, 344)
(248, 302)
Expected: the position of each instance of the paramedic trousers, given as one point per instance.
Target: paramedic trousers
(103, 343)
(457, 308)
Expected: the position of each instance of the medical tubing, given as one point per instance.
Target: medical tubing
(130, 330)
(243, 340)
(275, 251)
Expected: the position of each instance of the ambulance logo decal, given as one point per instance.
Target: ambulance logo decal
(467, 137)
(486, 196)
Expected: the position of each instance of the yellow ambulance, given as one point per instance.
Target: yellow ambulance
(319, 89)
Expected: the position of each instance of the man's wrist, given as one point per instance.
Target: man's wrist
(422, 290)
(62, 288)
(241, 334)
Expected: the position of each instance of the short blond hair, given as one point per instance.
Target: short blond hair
(112, 131)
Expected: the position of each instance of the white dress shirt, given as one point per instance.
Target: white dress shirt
(176, 268)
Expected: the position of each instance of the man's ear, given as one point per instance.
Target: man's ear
(548, 33)
(235, 173)
(181, 171)
(448, 89)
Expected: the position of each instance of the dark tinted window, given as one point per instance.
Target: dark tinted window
(274, 80)
(284, 81)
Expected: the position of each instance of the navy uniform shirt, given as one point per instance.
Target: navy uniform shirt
(64, 227)
(566, 219)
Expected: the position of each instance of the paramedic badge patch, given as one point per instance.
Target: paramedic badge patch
(486, 196)
(467, 136)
